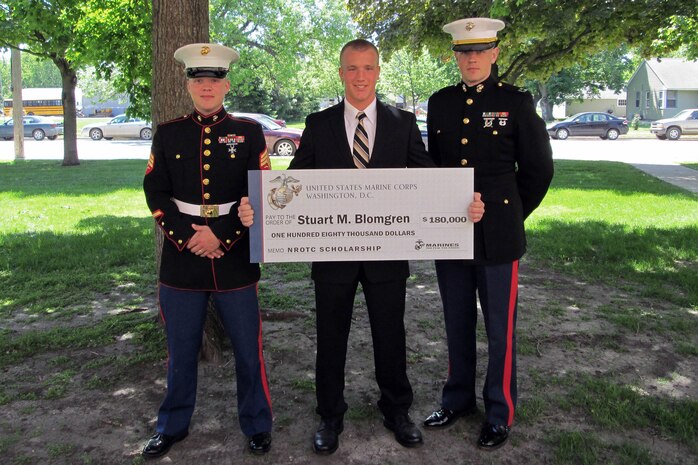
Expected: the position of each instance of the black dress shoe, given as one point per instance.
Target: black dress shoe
(326, 439)
(406, 432)
(260, 443)
(159, 444)
(493, 436)
(444, 417)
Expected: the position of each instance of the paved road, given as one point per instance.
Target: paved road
(659, 158)
(88, 149)
(656, 157)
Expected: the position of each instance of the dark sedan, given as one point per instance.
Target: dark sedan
(280, 140)
(37, 127)
(602, 125)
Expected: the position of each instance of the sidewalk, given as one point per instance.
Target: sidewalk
(678, 175)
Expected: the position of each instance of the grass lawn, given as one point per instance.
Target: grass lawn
(77, 239)
(87, 229)
(605, 222)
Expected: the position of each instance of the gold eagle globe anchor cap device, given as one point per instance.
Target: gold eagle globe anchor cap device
(206, 60)
(474, 34)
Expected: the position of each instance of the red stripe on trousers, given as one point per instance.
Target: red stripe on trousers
(508, 358)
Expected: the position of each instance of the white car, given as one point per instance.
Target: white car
(684, 122)
(119, 126)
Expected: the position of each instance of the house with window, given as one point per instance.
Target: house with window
(661, 87)
(605, 101)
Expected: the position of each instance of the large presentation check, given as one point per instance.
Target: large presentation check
(352, 214)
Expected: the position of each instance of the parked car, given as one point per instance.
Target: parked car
(604, 125)
(280, 140)
(684, 122)
(37, 127)
(119, 126)
(422, 125)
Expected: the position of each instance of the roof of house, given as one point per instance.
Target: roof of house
(675, 73)
(606, 94)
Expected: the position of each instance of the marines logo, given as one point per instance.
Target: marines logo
(279, 197)
(469, 26)
(419, 245)
(205, 50)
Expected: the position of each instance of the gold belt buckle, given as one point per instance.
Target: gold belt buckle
(209, 211)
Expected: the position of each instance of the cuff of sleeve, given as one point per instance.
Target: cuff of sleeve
(175, 233)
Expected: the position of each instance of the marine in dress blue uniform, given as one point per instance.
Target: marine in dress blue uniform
(493, 127)
(195, 178)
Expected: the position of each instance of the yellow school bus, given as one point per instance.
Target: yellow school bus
(42, 101)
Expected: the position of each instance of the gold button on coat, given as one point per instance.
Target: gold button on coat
(207, 167)
(207, 141)
(178, 156)
(207, 153)
(506, 201)
(206, 182)
(466, 120)
(469, 101)
(463, 162)
(207, 196)
(495, 132)
(464, 141)
(207, 130)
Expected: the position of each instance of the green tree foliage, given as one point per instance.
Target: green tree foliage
(608, 69)
(46, 29)
(110, 34)
(38, 72)
(541, 37)
(414, 77)
(680, 38)
(114, 40)
(289, 51)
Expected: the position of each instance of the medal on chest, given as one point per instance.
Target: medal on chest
(232, 141)
(492, 117)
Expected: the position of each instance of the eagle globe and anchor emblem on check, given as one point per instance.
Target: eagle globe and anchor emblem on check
(279, 197)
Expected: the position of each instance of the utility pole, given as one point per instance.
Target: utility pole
(17, 108)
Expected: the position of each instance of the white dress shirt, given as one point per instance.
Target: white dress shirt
(351, 121)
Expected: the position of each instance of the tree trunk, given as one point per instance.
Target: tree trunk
(177, 23)
(546, 107)
(69, 81)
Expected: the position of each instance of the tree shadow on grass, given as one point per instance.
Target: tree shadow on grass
(662, 261)
(47, 272)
